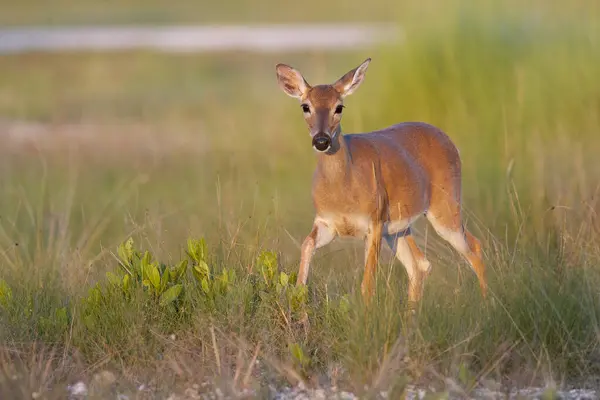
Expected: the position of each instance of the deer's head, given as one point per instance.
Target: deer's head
(322, 105)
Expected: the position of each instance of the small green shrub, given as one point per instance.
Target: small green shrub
(162, 283)
(142, 294)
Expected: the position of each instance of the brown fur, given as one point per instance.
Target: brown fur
(373, 185)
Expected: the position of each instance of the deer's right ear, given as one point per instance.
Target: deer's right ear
(291, 81)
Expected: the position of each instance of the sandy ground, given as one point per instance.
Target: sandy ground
(205, 392)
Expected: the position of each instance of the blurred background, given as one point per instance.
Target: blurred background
(179, 136)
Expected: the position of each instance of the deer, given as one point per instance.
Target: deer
(375, 185)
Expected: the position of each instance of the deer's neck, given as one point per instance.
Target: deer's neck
(335, 163)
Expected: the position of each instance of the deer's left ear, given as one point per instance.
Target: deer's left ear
(348, 83)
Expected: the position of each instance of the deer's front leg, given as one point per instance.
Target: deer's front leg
(321, 234)
(372, 249)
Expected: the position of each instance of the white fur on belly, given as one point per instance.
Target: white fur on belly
(394, 227)
(361, 224)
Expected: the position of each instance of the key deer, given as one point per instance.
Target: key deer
(374, 185)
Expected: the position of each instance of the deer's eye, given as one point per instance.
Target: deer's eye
(339, 109)
(305, 108)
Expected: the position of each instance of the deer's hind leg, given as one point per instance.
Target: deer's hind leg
(450, 227)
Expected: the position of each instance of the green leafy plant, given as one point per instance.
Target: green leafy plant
(279, 284)
(268, 264)
(163, 283)
(297, 297)
(142, 293)
(213, 286)
(160, 286)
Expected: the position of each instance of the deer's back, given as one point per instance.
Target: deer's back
(417, 162)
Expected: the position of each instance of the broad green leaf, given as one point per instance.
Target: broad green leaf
(154, 275)
(191, 249)
(197, 274)
(182, 267)
(203, 269)
(197, 249)
(267, 261)
(170, 295)
(145, 265)
(164, 279)
(125, 251)
(205, 287)
(203, 251)
(126, 280)
(177, 273)
(147, 258)
(135, 269)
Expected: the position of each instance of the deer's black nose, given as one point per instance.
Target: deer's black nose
(321, 142)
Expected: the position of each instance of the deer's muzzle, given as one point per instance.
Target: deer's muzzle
(321, 142)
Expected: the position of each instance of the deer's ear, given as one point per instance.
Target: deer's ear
(291, 81)
(348, 83)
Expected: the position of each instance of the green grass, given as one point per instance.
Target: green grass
(176, 147)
